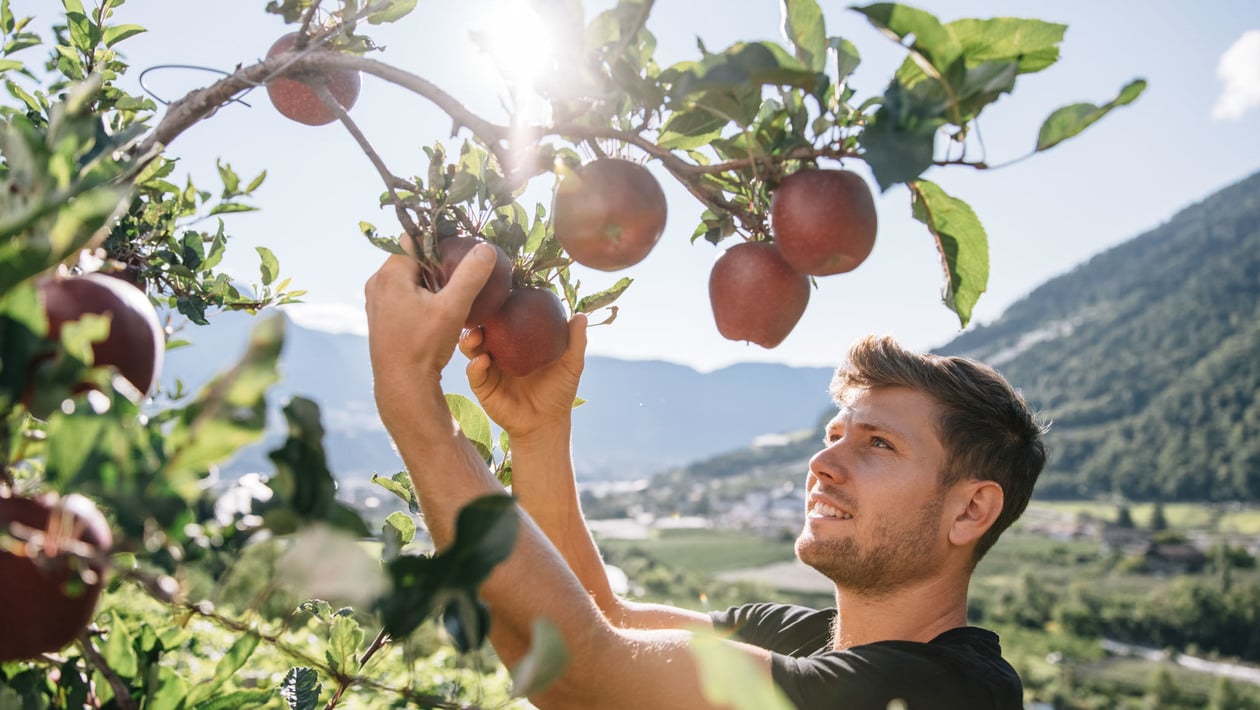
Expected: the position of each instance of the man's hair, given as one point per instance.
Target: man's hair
(988, 431)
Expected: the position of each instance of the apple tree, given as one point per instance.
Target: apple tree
(121, 555)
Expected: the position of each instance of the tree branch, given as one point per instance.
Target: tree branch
(122, 693)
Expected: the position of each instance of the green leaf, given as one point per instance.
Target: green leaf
(231, 181)
(543, 663)
(962, 242)
(898, 150)
(268, 265)
(731, 678)
(604, 298)
(403, 525)
(248, 698)
(229, 412)
(1032, 44)
(690, 128)
(473, 422)
(305, 490)
(344, 638)
(236, 656)
(1069, 121)
(81, 28)
(232, 661)
(117, 33)
(301, 688)
(391, 11)
(934, 43)
(847, 57)
(743, 65)
(399, 485)
(485, 533)
(803, 25)
(119, 651)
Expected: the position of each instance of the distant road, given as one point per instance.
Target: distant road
(1236, 671)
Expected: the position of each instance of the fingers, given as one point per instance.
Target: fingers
(470, 275)
(470, 342)
(574, 355)
(478, 372)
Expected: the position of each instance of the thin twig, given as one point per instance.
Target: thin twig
(122, 693)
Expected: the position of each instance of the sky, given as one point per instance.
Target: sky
(1192, 133)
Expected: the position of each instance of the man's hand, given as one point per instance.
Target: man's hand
(539, 401)
(411, 330)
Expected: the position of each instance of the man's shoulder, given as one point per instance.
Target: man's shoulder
(964, 665)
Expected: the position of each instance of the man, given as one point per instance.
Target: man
(926, 462)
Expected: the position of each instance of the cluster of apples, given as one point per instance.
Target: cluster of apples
(824, 223)
(52, 548)
(611, 212)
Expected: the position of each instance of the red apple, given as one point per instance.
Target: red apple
(755, 295)
(451, 251)
(823, 221)
(51, 571)
(135, 344)
(293, 96)
(530, 330)
(609, 214)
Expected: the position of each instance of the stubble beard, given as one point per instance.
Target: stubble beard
(902, 553)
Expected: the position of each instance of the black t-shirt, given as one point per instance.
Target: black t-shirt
(962, 668)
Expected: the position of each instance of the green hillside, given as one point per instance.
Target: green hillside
(1147, 359)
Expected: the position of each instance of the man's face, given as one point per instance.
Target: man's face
(873, 518)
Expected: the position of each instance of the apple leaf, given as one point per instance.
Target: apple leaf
(344, 638)
(962, 242)
(1071, 120)
(803, 25)
(687, 129)
(604, 298)
(485, 533)
(117, 33)
(741, 66)
(305, 490)
(230, 411)
(473, 422)
(301, 689)
(391, 11)
(543, 663)
(399, 485)
(934, 44)
(898, 146)
(247, 698)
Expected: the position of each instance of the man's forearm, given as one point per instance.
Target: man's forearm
(544, 483)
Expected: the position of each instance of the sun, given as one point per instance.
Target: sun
(520, 43)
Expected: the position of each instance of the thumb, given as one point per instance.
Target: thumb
(470, 275)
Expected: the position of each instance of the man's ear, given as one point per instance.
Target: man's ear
(980, 503)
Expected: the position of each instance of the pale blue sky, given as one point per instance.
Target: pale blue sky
(1125, 175)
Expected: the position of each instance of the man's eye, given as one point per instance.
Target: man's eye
(880, 442)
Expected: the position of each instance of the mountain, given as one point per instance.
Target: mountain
(1147, 359)
(640, 417)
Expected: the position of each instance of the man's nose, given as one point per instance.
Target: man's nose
(828, 464)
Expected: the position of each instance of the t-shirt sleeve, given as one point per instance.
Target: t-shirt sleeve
(787, 629)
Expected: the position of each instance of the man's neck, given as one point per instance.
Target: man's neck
(914, 613)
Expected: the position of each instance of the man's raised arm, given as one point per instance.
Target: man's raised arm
(412, 334)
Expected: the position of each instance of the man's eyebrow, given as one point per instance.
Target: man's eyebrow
(880, 428)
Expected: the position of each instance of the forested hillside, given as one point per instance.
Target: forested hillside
(1147, 359)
